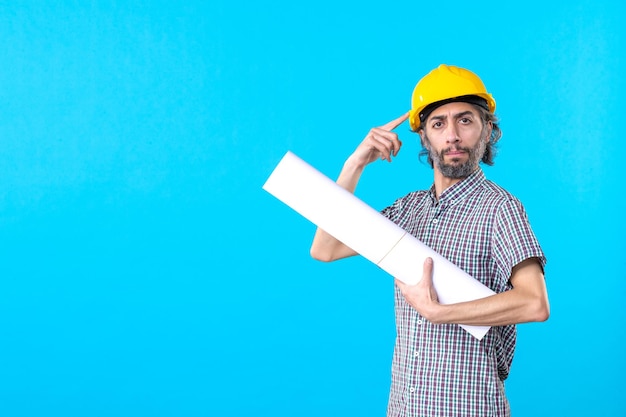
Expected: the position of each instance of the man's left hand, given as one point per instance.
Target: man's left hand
(422, 296)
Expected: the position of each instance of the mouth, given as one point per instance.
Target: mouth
(455, 153)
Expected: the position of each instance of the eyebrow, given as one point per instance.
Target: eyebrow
(456, 116)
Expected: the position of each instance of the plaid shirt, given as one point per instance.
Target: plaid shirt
(441, 370)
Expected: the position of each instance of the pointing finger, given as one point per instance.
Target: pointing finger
(396, 122)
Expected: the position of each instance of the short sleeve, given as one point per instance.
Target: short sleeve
(391, 211)
(513, 238)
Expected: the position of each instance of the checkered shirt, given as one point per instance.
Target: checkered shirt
(441, 370)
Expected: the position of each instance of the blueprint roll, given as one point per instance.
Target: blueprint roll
(344, 216)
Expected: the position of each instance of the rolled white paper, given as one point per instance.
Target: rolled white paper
(344, 216)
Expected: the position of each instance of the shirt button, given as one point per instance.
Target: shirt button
(435, 221)
(416, 353)
(419, 321)
(411, 389)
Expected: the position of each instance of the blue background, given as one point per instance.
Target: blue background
(143, 270)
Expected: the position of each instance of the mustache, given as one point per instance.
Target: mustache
(455, 149)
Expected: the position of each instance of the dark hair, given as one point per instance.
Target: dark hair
(490, 150)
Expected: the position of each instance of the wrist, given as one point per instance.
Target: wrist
(435, 314)
(353, 165)
(350, 174)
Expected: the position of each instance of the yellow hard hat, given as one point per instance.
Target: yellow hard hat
(446, 84)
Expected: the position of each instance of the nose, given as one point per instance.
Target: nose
(452, 133)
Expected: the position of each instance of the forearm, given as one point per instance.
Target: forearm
(325, 247)
(510, 307)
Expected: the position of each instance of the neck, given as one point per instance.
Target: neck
(442, 183)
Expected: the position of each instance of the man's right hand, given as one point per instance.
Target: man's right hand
(380, 143)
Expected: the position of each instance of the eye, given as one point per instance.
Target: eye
(465, 120)
(437, 125)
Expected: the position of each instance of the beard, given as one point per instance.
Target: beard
(458, 170)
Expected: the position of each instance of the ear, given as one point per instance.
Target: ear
(489, 130)
(423, 141)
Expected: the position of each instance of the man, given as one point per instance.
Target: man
(438, 368)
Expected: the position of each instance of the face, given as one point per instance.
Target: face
(455, 138)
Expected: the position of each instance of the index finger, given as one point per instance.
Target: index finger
(395, 123)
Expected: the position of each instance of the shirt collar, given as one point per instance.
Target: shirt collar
(460, 190)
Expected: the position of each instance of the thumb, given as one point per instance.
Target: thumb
(428, 270)
(428, 279)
